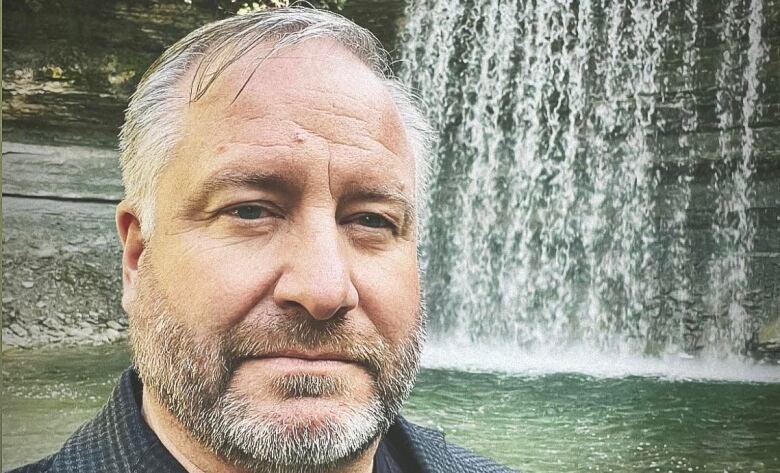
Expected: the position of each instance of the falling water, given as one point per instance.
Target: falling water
(573, 147)
(732, 227)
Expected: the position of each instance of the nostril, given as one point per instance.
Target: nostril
(318, 299)
(291, 306)
(341, 313)
(316, 277)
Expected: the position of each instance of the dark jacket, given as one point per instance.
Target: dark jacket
(118, 440)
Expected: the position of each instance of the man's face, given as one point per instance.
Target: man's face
(276, 311)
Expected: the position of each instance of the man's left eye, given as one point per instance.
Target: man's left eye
(249, 212)
(373, 221)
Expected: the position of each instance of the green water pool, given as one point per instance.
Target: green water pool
(556, 422)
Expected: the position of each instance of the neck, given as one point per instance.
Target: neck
(196, 458)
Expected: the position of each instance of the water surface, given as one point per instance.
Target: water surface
(538, 423)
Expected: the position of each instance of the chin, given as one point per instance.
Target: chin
(289, 433)
(302, 389)
(301, 407)
(308, 417)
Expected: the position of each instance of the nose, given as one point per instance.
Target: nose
(316, 276)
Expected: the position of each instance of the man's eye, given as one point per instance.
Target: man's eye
(373, 221)
(249, 212)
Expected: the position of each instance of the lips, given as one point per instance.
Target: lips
(287, 363)
(310, 356)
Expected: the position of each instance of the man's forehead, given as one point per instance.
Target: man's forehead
(313, 89)
(318, 65)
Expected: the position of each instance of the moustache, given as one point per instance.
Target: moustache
(337, 337)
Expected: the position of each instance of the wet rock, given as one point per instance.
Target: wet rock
(80, 333)
(111, 335)
(12, 340)
(113, 324)
(57, 335)
(45, 252)
(87, 327)
(18, 329)
(53, 323)
(769, 337)
(93, 317)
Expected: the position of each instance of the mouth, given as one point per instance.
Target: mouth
(309, 356)
(292, 362)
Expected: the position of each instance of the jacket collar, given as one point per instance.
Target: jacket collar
(118, 440)
(428, 447)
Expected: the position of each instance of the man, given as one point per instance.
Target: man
(272, 173)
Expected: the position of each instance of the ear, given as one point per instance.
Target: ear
(128, 226)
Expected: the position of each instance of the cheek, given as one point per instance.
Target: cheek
(390, 295)
(216, 284)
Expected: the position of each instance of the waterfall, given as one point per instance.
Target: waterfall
(575, 167)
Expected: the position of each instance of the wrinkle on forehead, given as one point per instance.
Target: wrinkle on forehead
(315, 89)
(282, 70)
(301, 71)
(297, 134)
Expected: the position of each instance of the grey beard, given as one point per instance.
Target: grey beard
(191, 380)
(307, 385)
(263, 444)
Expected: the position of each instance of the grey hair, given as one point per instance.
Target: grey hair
(151, 128)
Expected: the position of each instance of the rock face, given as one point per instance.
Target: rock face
(61, 273)
(768, 340)
(70, 66)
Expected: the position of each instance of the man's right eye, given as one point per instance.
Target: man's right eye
(249, 212)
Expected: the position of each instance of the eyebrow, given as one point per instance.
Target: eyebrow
(233, 178)
(281, 183)
(381, 193)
